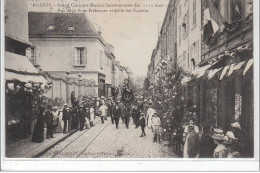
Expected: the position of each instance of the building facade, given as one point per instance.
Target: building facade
(77, 51)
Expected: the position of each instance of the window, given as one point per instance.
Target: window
(32, 55)
(180, 10)
(185, 26)
(101, 59)
(184, 60)
(236, 10)
(194, 12)
(80, 56)
(180, 34)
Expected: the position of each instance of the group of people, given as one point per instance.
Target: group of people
(212, 143)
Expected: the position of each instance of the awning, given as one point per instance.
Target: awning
(224, 72)
(213, 72)
(185, 80)
(201, 71)
(20, 63)
(248, 65)
(234, 67)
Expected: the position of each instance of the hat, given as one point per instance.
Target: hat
(102, 97)
(65, 104)
(218, 135)
(236, 125)
(55, 107)
(81, 106)
(142, 113)
(98, 98)
(229, 138)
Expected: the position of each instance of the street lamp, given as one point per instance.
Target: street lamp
(67, 87)
(80, 81)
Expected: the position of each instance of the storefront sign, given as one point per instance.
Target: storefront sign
(238, 102)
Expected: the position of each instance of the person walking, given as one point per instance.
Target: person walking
(116, 114)
(121, 105)
(103, 111)
(48, 118)
(142, 124)
(156, 122)
(127, 113)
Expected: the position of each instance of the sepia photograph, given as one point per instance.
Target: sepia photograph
(129, 79)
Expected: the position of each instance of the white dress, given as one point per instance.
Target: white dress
(92, 114)
(150, 113)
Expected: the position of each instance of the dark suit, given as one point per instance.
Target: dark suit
(65, 119)
(48, 118)
(116, 114)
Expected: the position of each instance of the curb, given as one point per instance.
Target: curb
(52, 145)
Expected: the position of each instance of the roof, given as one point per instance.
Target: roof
(56, 24)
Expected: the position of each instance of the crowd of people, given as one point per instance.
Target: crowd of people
(203, 142)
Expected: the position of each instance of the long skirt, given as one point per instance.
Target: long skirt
(38, 132)
(58, 128)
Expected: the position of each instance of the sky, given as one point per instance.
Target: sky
(133, 34)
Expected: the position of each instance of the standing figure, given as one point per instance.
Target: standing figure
(38, 131)
(103, 111)
(48, 118)
(127, 114)
(121, 105)
(112, 116)
(220, 151)
(74, 118)
(150, 114)
(156, 122)
(81, 117)
(206, 144)
(116, 114)
(56, 121)
(92, 115)
(190, 149)
(134, 115)
(142, 124)
(65, 117)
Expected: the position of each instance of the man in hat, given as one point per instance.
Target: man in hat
(48, 118)
(127, 113)
(229, 142)
(103, 111)
(92, 115)
(116, 113)
(81, 117)
(156, 122)
(65, 117)
(191, 149)
(220, 151)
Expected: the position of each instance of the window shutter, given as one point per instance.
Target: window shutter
(74, 56)
(36, 54)
(85, 55)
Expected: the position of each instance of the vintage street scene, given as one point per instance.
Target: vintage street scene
(129, 79)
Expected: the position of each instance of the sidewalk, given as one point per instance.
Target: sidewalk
(25, 148)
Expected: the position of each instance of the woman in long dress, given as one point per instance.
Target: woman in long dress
(57, 123)
(150, 114)
(38, 131)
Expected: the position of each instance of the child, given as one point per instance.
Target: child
(156, 122)
(142, 124)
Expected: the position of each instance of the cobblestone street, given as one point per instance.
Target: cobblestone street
(105, 141)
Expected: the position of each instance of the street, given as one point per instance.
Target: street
(105, 141)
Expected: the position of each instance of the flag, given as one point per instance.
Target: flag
(213, 20)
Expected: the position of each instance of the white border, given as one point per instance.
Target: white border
(137, 164)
